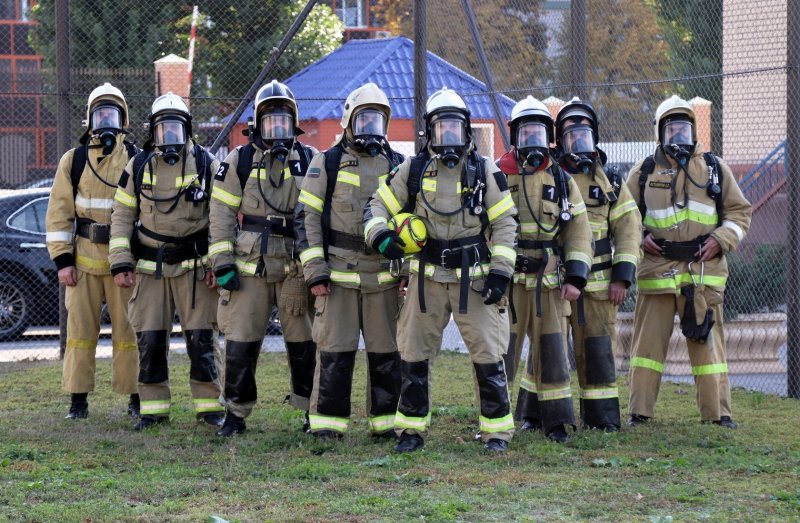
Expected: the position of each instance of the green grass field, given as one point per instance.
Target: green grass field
(98, 470)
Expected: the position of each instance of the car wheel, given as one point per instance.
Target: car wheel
(15, 308)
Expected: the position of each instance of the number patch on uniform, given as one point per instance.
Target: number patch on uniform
(659, 185)
(221, 172)
(549, 193)
(594, 192)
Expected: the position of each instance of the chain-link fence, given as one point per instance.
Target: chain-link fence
(624, 56)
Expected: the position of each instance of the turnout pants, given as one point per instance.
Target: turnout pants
(339, 318)
(243, 316)
(84, 302)
(151, 311)
(594, 359)
(485, 332)
(544, 394)
(653, 326)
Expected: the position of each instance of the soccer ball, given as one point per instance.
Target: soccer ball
(411, 229)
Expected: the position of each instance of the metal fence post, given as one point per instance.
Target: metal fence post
(420, 70)
(63, 138)
(487, 73)
(793, 167)
(577, 21)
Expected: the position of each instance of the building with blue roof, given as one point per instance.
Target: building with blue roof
(322, 87)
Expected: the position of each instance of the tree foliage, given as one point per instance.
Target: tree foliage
(693, 32)
(624, 45)
(512, 35)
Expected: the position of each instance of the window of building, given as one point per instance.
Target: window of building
(5, 38)
(21, 45)
(5, 76)
(351, 12)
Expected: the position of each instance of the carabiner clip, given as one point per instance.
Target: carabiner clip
(691, 274)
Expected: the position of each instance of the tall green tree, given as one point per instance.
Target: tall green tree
(511, 32)
(693, 32)
(119, 41)
(625, 48)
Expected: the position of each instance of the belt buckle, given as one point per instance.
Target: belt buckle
(277, 220)
(99, 232)
(443, 256)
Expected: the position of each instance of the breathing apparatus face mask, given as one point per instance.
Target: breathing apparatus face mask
(277, 132)
(532, 146)
(169, 136)
(448, 138)
(577, 142)
(369, 131)
(676, 139)
(106, 124)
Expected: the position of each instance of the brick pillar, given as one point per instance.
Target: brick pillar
(553, 105)
(172, 75)
(702, 115)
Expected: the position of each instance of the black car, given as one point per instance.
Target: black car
(28, 278)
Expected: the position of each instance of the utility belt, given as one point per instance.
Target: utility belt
(349, 242)
(529, 264)
(451, 254)
(93, 231)
(272, 225)
(189, 247)
(602, 247)
(681, 251)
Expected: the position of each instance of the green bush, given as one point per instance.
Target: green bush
(757, 281)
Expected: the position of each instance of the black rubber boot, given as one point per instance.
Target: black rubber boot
(79, 407)
(530, 424)
(148, 421)
(636, 419)
(232, 425)
(727, 422)
(134, 406)
(409, 443)
(306, 428)
(496, 445)
(558, 434)
(214, 419)
(327, 435)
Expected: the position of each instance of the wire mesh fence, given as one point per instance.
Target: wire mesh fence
(623, 56)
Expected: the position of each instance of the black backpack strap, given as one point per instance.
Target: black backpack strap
(78, 165)
(418, 163)
(713, 163)
(131, 148)
(245, 164)
(648, 166)
(615, 178)
(202, 162)
(333, 158)
(138, 171)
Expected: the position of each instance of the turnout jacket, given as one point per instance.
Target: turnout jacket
(187, 218)
(270, 193)
(351, 263)
(613, 218)
(92, 201)
(442, 188)
(678, 210)
(573, 238)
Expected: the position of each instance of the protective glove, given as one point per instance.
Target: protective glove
(494, 287)
(228, 278)
(390, 245)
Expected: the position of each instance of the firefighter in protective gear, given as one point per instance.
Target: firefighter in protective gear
(552, 260)
(465, 204)
(159, 246)
(256, 267)
(616, 230)
(78, 220)
(355, 288)
(693, 215)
